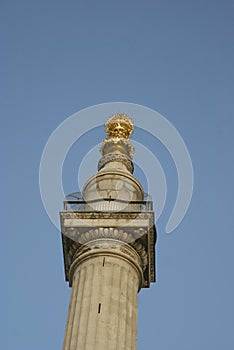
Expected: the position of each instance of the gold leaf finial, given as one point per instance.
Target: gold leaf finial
(119, 125)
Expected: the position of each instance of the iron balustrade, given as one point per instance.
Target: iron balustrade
(75, 202)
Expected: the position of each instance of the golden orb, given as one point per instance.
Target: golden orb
(119, 125)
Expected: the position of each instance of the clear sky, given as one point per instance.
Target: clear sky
(175, 57)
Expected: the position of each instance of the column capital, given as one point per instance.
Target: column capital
(128, 234)
(107, 247)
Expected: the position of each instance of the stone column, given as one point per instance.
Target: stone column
(105, 279)
(109, 248)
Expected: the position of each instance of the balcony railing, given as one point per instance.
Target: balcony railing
(75, 202)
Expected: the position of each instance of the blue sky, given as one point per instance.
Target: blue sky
(175, 57)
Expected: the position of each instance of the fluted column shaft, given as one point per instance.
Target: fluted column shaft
(103, 306)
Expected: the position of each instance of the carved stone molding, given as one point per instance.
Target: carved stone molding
(109, 238)
(113, 157)
(117, 144)
(106, 232)
(106, 215)
(137, 230)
